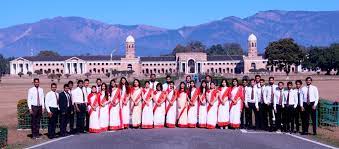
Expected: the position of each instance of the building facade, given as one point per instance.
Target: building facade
(186, 63)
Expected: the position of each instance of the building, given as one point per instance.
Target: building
(186, 63)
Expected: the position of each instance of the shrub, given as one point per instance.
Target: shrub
(3, 136)
(24, 117)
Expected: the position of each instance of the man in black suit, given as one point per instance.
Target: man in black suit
(71, 109)
(65, 104)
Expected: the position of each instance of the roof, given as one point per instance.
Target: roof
(157, 58)
(252, 37)
(63, 58)
(130, 38)
(223, 57)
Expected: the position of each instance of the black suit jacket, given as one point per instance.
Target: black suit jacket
(63, 102)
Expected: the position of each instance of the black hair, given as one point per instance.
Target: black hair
(257, 76)
(185, 88)
(137, 81)
(86, 80)
(271, 78)
(289, 83)
(307, 78)
(53, 84)
(262, 80)
(159, 84)
(80, 81)
(168, 76)
(36, 79)
(223, 81)
(70, 82)
(298, 81)
(98, 79)
(281, 83)
(201, 87)
(66, 85)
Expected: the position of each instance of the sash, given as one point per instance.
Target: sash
(159, 100)
(238, 96)
(102, 101)
(124, 98)
(138, 96)
(214, 92)
(115, 98)
(194, 97)
(174, 97)
(95, 102)
(224, 95)
(147, 98)
(182, 111)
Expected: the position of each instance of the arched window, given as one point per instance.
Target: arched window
(129, 67)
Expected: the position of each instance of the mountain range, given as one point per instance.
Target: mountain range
(79, 36)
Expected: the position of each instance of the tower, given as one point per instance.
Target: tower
(252, 46)
(130, 47)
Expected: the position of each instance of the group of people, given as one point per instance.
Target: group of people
(118, 105)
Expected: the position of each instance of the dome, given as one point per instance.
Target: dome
(130, 39)
(252, 37)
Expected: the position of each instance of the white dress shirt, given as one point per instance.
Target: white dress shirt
(87, 91)
(165, 86)
(32, 98)
(79, 95)
(313, 95)
(277, 94)
(260, 93)
(298, 92)
(268, 93)
(153, 85)
(51, 100)
(249, 98)
(292, 99)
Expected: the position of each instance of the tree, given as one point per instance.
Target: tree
(48, 53)
(284, 53)
(20, 74)
(67, 75)
(38, 72)
(225, 49)
(59, 77)
(108, 74)
(194, 46)
(88, 74)
(4, 64)
(47, 72)
(29, 73)
(52, 76)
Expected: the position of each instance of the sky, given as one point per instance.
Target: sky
(170, 14)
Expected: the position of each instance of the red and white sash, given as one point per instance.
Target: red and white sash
(238, 96)
(173, 98)
(115, 97)
(135, 96)
(92, 102)
(183, 109)
(161, 98)
(146, 96)
(124, 96)
(194, 97)
(224, 93)
(213, 97)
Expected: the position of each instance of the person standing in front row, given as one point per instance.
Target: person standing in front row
(115, 113)
(298, 114)
(269, 101)
(290, 102)
(171, 105)
(202, 107)
(124, 101)
(224, 105)
(242, 114)
(159, 98)
(36, 105)
(310, 99)
(79, 99)
(87, 90)
(65, 104)
(192, 108)
(136, 99)
(212, 96)
(71, 109)
(262, 106)
(147, 107)
(52, 107)
(104, 107)
(251, 104)
(182, 105)
(93, 111)
(279, 106)
(237, 99)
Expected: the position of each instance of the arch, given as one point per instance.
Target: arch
(129, 67)
(191, 66)
(253, 66)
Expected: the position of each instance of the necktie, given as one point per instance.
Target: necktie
(262, 96)
(288, 97)
(83, 95)
(298, 96)
(252, 94)
(56, 97)
(280, 98)
(38, 97)
(272, 94)
(308, 95)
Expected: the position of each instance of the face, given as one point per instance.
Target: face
(188, 78)
(36, 83)
(224, 83)
(257, 79)
(94, 89)
(53, 88)
(103, 87)
(147, 85)
(252, 82)
(153, 77)
(158, 88)
(80, 84)
(298, 85)
(262, 83)
(309, 81)
(212, 85)
(123, 81)
(235, 83)
(204, 84)
(192, 84)
(168, 79)
(171, 85)
(136, 83)
(271, 81)
(208, 78)
(66, 89)
(112, 83)
(281, 86)
(182, 85)
(86, 83)
(99, 82)
(244, 82)
(289, 86)
(70, 86)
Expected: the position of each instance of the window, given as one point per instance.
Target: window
(36, 64)
(90, 64)
(107, 64)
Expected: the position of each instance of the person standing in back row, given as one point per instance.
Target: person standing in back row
(310, 96)
(36, 106)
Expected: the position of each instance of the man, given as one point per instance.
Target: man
(242, 116)
(310, 97)
(87, 90)
(251, 104)
(262, 115)
(98, 82)
(166, 84)
(79, 99)
(36, 106)
(290, 102)
(187, 81)
(65, 104)
(51, 102)
(257, 79)
(208, 79)
(279, 106)
(70, 112)
(298, 113)
(269, 100)
(153, 82)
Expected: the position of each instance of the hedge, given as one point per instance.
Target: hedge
(24, 117)
(3, 136)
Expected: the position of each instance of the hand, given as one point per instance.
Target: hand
(171, 104)
(50, 114)
(275, 110)
(43, 110)
(223, 103)
(246, 106)
(63, 113)
(314, 107)
(78, 110)
(147, 104)
(135, 104)
(30, 111)
(179, 107)
(258, 109)
(302, 109)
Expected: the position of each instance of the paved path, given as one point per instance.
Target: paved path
(181, 139)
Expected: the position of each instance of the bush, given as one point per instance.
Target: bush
(3, 136)
(24, 117)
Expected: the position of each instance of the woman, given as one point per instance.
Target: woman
(147, 107)
(202, 109)
(159, 98)
(104, 109)
(212, 106)
(192, 110)
(237, 97)
(171, 105)
(93, 106)
(115, 117)
(136, 93)
(224, 105)
(182, 105)
(124, 101)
